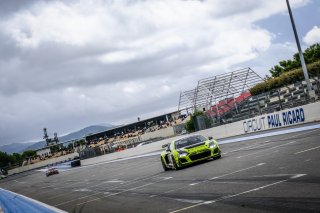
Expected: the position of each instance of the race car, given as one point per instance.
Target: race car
(51, 171)
(2, 177)
(188, 150)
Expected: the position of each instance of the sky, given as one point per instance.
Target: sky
(66, 65)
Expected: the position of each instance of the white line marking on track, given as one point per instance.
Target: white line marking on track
(189, 201)
(148, 184)
(19, 182)
(238, 194)
(317, 147)
(82, 190)
(275, 175)
(213, 178)
(116, 187)
(266, 149)
(104, 182)
(241, 170)
(308, 132)
(138, 187)
(65, 187)
(193, 184)
(246, 148)
(114, 181)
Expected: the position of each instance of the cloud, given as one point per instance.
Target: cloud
(65, 65)
(313, 36)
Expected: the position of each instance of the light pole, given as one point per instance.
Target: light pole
(303, 63)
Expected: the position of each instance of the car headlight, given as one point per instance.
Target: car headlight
(182, 153)
(212, 144)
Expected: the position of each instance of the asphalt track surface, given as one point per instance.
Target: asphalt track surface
(272, 174)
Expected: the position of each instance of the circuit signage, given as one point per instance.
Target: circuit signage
(274, 120)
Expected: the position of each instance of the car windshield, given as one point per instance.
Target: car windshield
(189, 141)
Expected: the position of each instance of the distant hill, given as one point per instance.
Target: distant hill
(21, 147)
(15, 147)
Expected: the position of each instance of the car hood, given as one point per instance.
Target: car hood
(194, 147)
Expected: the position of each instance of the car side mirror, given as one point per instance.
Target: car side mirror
(210, 138)
(165, 146)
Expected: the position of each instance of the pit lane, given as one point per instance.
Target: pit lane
(276, 173)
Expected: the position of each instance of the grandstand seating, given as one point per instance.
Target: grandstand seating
(249, 106)
(228, 104)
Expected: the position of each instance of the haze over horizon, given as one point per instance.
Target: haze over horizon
(68, 65)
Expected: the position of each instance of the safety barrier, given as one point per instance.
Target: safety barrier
(284, 118)
(13, 202)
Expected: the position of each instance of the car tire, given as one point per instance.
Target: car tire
(165, 168)
(175, 164)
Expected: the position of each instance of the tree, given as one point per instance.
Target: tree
(70, 146)
(311, 54)
(189, 125)
(28, 154)
(6, 160)
(82, 142)
(17, 157)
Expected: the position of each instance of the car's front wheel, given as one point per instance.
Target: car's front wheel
(164, 165)
(219, 156)
(176, 165)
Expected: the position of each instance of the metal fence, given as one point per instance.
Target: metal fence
(275, 100)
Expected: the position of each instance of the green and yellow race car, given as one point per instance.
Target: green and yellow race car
(187, 150)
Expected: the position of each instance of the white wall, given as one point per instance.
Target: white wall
(289, 117)
(43, 152)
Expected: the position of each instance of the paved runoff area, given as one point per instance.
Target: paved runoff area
(271, 174)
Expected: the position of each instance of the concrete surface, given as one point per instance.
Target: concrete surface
(271, 174)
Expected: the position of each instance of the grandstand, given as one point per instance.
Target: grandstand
(226, 98)
(211, 91)
(130, 135)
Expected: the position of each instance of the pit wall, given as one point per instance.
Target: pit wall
(284, 118)
(42, 163)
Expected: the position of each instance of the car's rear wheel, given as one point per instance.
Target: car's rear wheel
(164, 165)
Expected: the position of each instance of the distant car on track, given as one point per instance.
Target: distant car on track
(2, 177)
(52, 171)
(188, 150)
(184, 132)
